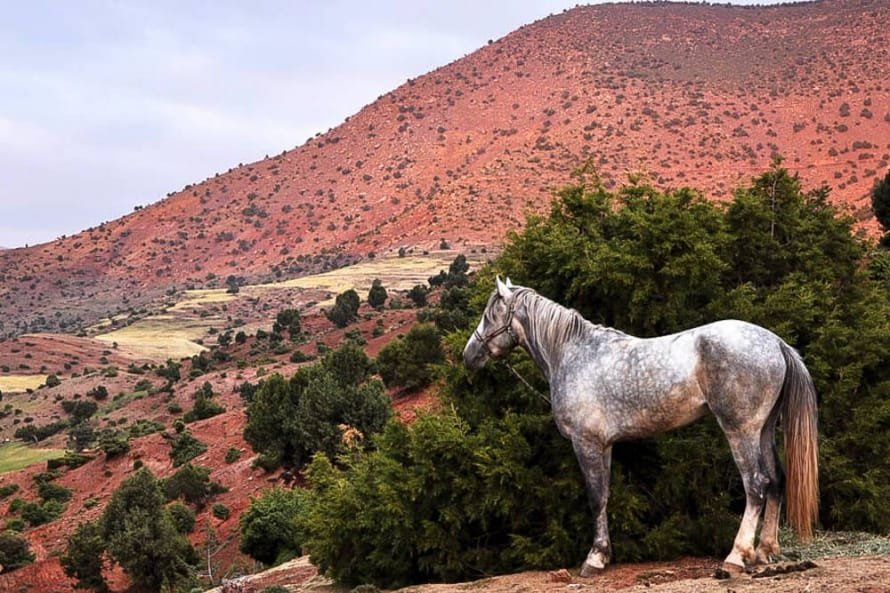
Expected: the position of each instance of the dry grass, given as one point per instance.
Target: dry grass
(160, 337)
(20, 383)
(834, 544)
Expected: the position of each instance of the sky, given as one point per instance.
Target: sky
(106, 105)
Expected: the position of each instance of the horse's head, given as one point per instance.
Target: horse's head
(494, 337)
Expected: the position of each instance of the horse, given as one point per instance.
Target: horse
(607, 386)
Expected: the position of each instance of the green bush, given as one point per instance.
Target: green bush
(182, 516)
(49, 491)
(83, 557)
(220, 511)
(345, 309)
(290, 419)
(268, 526)
(232, 455)
(377, 294)
(409, 361)
(190, 483)
(184, 447)
(15, 551)
(8, 489)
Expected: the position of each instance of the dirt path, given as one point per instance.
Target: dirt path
(870, 574)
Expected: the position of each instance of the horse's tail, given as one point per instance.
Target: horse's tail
(801, 446)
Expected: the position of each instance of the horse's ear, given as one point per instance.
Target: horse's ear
(510, 284)
(503, 289)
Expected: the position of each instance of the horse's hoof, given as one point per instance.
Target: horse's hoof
(733, 569)
(588, 570)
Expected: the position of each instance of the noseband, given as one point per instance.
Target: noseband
(484, 340)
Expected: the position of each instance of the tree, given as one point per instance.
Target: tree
(290, 419)
(140, 535)
(418, 295)
(377, 294)
(268, 526)
(84, 557)
(15, 551)
(409, 361)
(345, 309)
(880, 205)
(288, 319)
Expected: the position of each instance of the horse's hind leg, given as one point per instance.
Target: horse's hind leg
(768, 548)
(595, 462)
(748, 457)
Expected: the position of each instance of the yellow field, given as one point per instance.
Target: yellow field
(19, 383)
(173, 334)
(14, 456)
(160, 337)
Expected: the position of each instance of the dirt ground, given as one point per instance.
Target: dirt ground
(869, 574)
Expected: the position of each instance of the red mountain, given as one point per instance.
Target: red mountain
(687, 94)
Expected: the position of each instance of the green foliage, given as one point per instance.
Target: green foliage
(288, 319)
(15, 551)
(8, 490)
(440, 500)
(79, 409)
(70, 460)
(184, 447)
(49, 491)
(182, 516)
(268, 526)
(190, 483)
(41, 513)
(204, 406)
(114, 442)
(140, 535)
(345, 309)
(52, 381)
(290, 419)
(494, 487)
(417, 294)
(83, 557)
(456, 275)
(880, 202)
(408, 361)
(377, 294)
(170, 371)
(232, 455)
(33, 433)
(99, 392)
(221, 511)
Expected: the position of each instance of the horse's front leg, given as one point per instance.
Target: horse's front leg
(596, 461)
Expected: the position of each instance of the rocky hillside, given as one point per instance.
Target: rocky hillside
(684, 94)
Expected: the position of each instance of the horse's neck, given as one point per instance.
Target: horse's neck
(549, 328)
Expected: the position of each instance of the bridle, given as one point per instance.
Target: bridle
(506, 328)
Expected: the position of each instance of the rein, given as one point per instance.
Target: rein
(527, 384)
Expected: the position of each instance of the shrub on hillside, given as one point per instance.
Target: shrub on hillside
(268, 526)
(290, 419)
(15, 551)
(345, 309)
(408, 361)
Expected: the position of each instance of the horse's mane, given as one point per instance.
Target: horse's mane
(551, 326)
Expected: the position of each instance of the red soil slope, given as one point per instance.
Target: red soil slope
(685, 94)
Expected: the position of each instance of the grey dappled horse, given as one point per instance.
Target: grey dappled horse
(607, 386)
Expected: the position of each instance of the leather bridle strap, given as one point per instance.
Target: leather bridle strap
(503, 329)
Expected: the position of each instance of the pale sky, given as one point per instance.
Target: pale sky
(105, 105)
